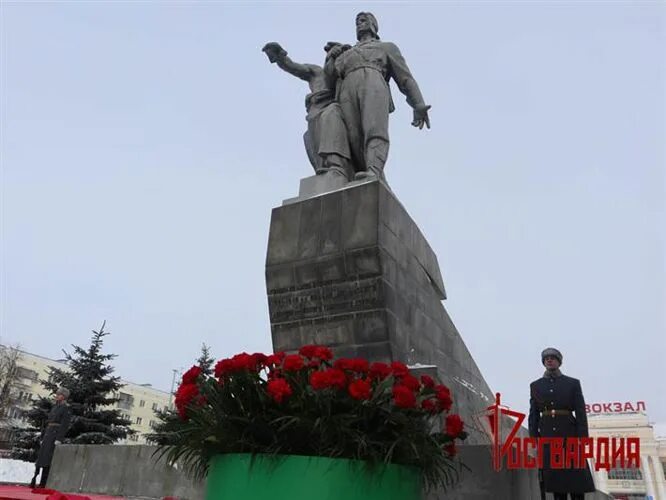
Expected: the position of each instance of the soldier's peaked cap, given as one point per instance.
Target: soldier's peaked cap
(551, 351)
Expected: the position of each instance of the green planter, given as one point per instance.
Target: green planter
(291, 477)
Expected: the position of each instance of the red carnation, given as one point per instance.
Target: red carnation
(443, 395)
(319, 380)
(429, 405)
(224, 367)
(357, 365)
(403, 397)
(314, 363)
(274, 359)
(331, 377)
(359, 389)
(316, 351)
(379, 370)
(324, 353)
(410, 381)
(279, 389)
(427, 381)
(292, 363)
(454, 425)
(336, 378)
(360, 365)
(259, 359)
(399, 369)
(244, 361)
(342, 364)
(191, 375)
(184, 397)
(308, 351)
(451, 449)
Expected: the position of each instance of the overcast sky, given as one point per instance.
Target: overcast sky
(145, 143)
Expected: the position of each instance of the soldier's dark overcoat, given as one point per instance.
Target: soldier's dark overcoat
(560, 393)
(59, 418)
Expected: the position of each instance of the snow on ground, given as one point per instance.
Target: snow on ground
(15, 471)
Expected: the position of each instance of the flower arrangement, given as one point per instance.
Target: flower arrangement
(309, 404)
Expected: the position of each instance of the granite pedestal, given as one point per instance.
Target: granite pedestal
(350, 269)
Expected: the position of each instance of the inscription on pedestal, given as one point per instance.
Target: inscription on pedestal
(327, 300)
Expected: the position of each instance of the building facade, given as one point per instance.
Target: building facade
(648, 482)
(137, 402)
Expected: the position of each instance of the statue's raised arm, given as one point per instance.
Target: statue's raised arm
(276, 54)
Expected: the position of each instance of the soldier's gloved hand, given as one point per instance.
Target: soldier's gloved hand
(421, 116)
(58, 442)
(274, 51)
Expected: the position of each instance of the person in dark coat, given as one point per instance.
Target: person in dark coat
(557, 409)
(53, 433)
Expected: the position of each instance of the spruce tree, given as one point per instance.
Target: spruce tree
(205, 362)
(25, 440)
(92, 396)
(168, 420)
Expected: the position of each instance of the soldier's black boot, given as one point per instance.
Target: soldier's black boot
(34, 478)
(45, 476)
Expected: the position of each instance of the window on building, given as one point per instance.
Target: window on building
(138, 420)
(154, 406)
(633, 474)
(125, 401)
(663, 466)
(142, 403)
(151, 424)
(26, 373)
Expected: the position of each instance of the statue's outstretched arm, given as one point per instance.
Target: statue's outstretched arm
(302, 71)
(276, 54)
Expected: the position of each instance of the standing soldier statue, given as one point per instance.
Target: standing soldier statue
(362, 74)
(55, 428)
(557, 409)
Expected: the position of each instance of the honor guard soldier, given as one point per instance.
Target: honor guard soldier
(53, 433)
(557, 409)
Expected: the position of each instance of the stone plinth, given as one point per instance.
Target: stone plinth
(350, 269)
(128, 471)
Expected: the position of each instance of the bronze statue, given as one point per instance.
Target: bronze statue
(325, 140)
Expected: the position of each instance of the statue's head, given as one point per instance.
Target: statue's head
(366, 22)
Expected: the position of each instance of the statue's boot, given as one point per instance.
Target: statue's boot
(375, 159)
(335, 165)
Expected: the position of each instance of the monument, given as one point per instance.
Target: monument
(346, 265)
